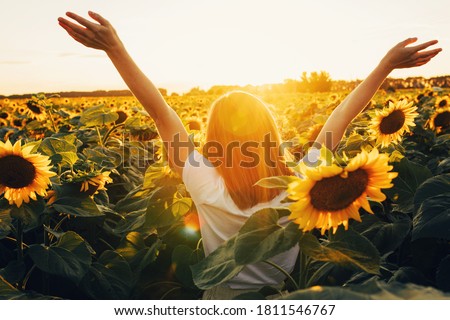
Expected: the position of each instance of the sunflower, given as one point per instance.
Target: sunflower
(194, 124)
(440, 120)
(443, 102)
(330, 195)
(389, 124)
(23, 174)
(123, 115)
(96, 183)
(35, 110)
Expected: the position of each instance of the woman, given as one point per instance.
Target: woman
(242, 145)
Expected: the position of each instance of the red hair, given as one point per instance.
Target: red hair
(241, 124)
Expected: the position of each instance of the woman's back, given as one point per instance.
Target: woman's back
(220, 219)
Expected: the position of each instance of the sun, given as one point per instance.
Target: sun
(331, 195)
(23, 175)
(389, 124)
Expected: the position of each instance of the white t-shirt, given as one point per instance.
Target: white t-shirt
(220, 219)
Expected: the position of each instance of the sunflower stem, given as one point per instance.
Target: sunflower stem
(105, 138)
(15, 240)
(303, 270)
(100, 140)
(282, 271)
(27, 277)
(199, 242)
(19, 238)
(57, 226)
(50, 115)
(45, 275)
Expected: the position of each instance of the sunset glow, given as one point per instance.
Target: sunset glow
(182, 44)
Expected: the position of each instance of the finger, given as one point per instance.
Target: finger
(424, 45)
(429, 53)
(421, 63)
(98, 18)
(423, 60)
(76, 36)
(75, 27)
(88, 24)
(405, 42)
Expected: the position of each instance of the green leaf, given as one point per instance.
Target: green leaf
(217, 267)
(104, 157)
(146, 256)
(69, 258)
(410, 176)
(180, 207)
(131, 203)
(98, 116)
(29, 213)
(152, 175)
(9, 292)
(5, 223)
(182, 258)
(347, 248)
(164, 210)
(131, 245)
(432, 187)
(432, 219)
(77, 205)
(14, 271)
(66, 151)
(261, 237)
(110, 277)
(386, 236)
(281, 182)
(131, 222)
(326, 293)
(133, 123)
(409, 274)
(443, 274)
(250, 296)
(134, 249)
(399, 291)
(370, 290)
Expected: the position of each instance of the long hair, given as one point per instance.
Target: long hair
(243, 143)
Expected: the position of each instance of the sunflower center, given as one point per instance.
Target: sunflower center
(393, 122)
(442, 103)
(122, 117)
(442, 119)
(337, 193)
(34, 107)
(16, 172)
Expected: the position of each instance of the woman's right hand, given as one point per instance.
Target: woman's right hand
(99, 35)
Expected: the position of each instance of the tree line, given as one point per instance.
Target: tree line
(312, 82)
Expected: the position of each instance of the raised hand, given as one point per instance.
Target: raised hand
(401, 56)
(99, 35)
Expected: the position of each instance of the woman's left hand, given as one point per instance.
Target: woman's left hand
(401, 56)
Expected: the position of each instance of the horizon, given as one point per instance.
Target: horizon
(193, 44)
(169, 92)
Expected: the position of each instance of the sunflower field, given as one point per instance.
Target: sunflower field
(90, 209)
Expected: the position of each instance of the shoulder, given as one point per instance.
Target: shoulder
(201, 178)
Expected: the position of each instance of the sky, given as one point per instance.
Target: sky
(180, 44)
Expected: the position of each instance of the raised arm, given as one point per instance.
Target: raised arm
(400, 56)
(102, 36)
